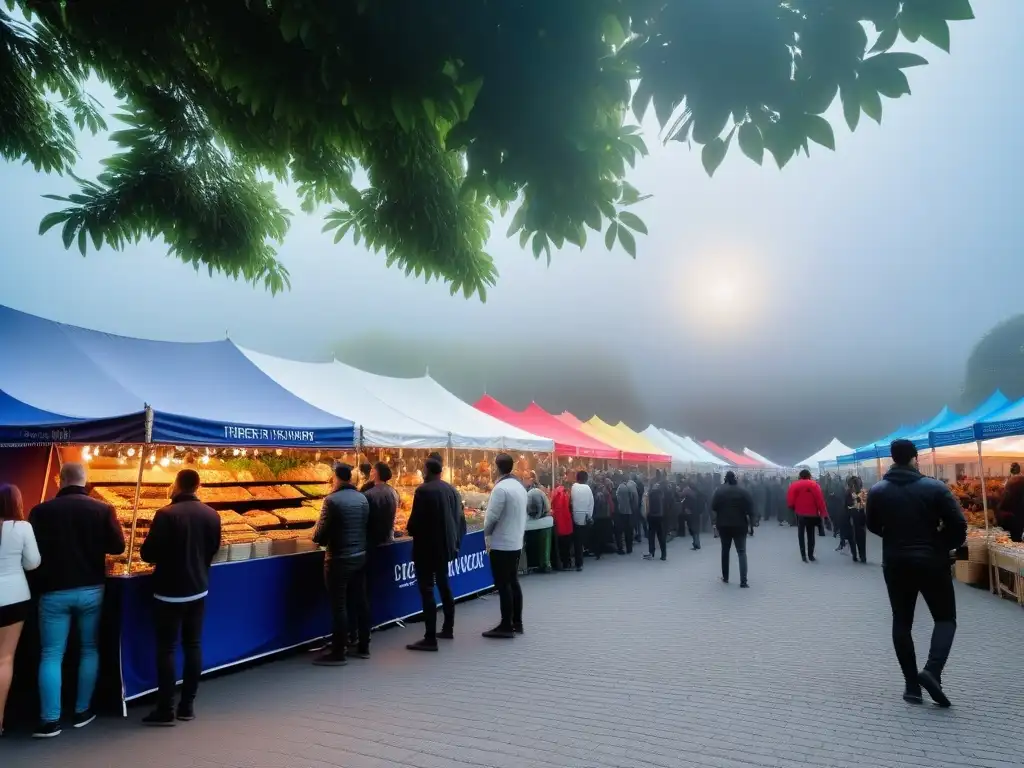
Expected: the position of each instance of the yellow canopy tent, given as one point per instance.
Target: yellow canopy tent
(634, 447)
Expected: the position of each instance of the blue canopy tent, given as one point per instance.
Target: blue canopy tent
(1008, 421)
(870, 451)
(961, 430)
(921, 435)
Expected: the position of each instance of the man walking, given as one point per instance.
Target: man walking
(601, 530)
(806, 501)
(639, 521)
(659, 501)
(434, 544)
(581, 504)
(691, 513)
(504, 528)
(626, 504)
(732, 509)
(183, 538)
(75, 533)
(920, 522)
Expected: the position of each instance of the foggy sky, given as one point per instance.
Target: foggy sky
(865, 276)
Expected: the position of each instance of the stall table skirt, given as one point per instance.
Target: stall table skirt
(264, 606)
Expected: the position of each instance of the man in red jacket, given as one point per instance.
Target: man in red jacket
(807, 502)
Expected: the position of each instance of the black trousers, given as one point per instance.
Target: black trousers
(601, 534)
(431, 573)
(807, 528)
(639, 526)
(624, 532)
(656, 529)
(174, 622)
(933, 581)
(505, 567)
(346, 587)
(578, 534)
(734, 536)
(693, 523)
(859, 534)
(353, 601)
(565, 550)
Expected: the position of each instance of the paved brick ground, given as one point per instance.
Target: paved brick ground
(628, 664)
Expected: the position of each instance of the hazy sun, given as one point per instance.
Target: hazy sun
(725, 290)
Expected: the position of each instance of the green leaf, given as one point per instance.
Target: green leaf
(892, 84)
(953, 10)
(633, 221)
(51, 220)
(850, 96)
(871, 102)
(610, 235)
(910, 25)
(709, 124)
(713, 154)
(524, 238)
(887, 39)
(612, 31)
(402, 112)
(517, 221)
(539, 242)
(819, 131)
(68, 233)
(897, 59)
(752, 142)
(82, 235)
(593, 218)
(628, 241)
(936, 32)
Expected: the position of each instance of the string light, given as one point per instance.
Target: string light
(152, 458)
(204, 459)
(234, 451)
(165, 462)
(131, 451)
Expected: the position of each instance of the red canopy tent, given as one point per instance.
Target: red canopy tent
(537, 421)
(567, 418)
(739, 460)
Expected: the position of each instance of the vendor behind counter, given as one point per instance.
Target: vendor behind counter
(539, 527)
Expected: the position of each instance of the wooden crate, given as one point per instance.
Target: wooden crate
(1006, 575)
(975, 574)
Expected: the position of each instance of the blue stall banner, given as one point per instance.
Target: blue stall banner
(184, 430)
(259, 607)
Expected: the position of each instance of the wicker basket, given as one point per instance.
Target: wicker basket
(977, 551)
(975, 574)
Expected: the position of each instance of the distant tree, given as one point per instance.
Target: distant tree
(452, 107)
(997, 362)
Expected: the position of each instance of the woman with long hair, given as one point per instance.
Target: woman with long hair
(857, 526)
(18, 553)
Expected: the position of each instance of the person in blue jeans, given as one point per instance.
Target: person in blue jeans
(75, 533)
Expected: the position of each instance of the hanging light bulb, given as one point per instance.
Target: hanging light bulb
(204, 459)
(165, 461)
(131, 451)
(234, 451)
(278, 452)
(152, 458)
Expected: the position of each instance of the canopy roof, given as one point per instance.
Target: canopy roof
(682, 459)
(1005, 422)
(655, 452)
(743, 462)
(920, 435)
(695, 448)
(568, 441)
(638, 451)
(567, 418)
(761, 459)
(961, 430)
(200, 393)
(830, 452)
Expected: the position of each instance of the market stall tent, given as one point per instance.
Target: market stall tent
(743, 462)
(759, 458)
(567, 418)
(691, 445)
(641, 442)
(961, 430)
(682, 459)
(632, 450)
(830, 452)
(568, 441)
(920, 436)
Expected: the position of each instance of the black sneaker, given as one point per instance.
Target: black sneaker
(579, 568)
(725, 579)
(933, 684)
(804, 558)
(159, 719)
(912, 695)
(359, 654)
(500, 633)
(664, 558)
(744, 585)
(329, 659)
(517, 629)
(423, 645)
(811, 558)
(46, 731)
(83, 719)
(446, 634)
(648, 557)
(186, 713)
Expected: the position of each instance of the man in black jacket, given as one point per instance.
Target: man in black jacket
(183, 538)
(342, 529)
(732, 510)
(920, 522)
(75, 533)
(435, 542)
(639, 521)
(380, 530)
(659, 503)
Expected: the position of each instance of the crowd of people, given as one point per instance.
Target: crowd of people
(64, 543)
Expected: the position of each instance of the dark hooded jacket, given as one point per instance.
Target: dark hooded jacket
(917, 517)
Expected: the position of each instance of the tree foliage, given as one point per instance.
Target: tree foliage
(996, 362)
(453, 108)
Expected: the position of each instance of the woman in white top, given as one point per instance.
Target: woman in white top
(18, 553)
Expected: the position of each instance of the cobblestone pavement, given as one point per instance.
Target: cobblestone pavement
(630, 663)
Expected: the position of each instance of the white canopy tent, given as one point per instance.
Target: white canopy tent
(758, 457)
(682, 459)
(830, 452)
(394, 412)
(693, 447)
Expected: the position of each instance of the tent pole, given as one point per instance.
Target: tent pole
(993, 575)
(46, 477)
(138, 488)
(935, 466)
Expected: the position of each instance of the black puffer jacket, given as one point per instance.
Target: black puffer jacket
(732, 507)
(917, 517)
(343, 523)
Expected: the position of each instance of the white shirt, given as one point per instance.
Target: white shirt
(582, 500)
(18, 553)
(505, 520)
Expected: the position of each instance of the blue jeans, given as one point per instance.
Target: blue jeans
(55, 612)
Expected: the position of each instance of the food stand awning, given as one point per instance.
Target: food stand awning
(695, 448)
(920, 436)
(657, 454)
(961, 430)
(682, 459)
(568, 441)
(759, 458)
(346, 392)
(567, 418)
(632, 450)
(743, 462)
(1006, 422)
(830, 452)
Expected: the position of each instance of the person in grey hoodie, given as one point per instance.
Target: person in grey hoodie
(627, 503)
(504, 529)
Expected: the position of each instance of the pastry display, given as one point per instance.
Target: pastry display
(296, 515)
(260, 519)
(314, 491)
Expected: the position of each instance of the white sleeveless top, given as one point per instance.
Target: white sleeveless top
(18, 553)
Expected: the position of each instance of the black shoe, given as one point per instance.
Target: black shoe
(912, 695)
(744, 585)
(579, 568)
(359, 654)
(186, 713)
(694, 548)
(159, 718)
(500, 633)
(329, 659)
(83, 719)
(664, 558)
(725, 579)
(648, 557)
(446, 634)
(811, 558)
(429, 646)
(931, 683)
(517, 629)
(46, 731)
(620, 552)
(804, 558)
